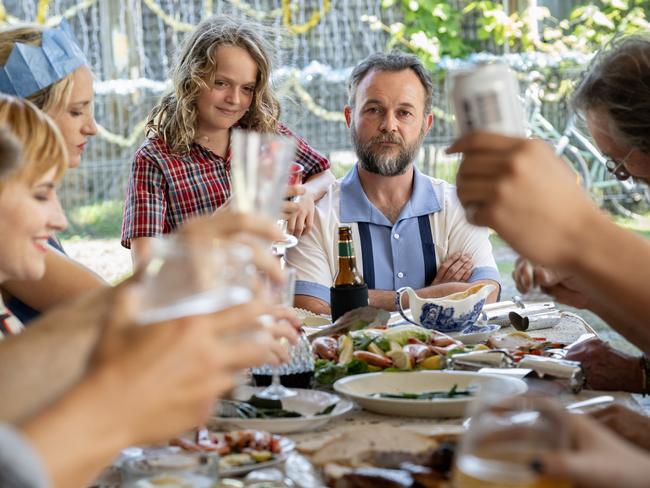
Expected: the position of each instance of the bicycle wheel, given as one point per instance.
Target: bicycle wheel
(630, 203)
(578, 164)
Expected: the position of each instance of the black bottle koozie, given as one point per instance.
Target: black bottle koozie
(346, 298)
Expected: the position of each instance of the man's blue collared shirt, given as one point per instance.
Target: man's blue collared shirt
(430, 228)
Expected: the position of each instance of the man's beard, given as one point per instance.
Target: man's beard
(373, 161)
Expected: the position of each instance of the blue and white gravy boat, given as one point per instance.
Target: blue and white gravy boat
(452, 313)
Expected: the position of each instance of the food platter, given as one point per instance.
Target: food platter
(306, 402)
(286, 445)
(239, 451)
(363, 388)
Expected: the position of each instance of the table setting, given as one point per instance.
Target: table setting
(349, 431)
(398, 399)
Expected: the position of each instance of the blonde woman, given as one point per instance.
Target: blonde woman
(29, 206)
(220, 81)
(66, 95)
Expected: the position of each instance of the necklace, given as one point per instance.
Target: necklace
(205, 141)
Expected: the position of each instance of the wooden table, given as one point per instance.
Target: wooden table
(302, 473)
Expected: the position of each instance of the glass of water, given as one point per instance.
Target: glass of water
(185, 278)
(505, 436)
(169, 467)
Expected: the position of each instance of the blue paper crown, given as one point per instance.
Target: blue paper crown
(32, 68)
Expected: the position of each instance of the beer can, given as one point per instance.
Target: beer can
(486, 98)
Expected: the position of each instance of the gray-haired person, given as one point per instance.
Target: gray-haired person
(530, 197)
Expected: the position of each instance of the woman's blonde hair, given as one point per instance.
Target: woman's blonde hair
(10, 153)
(174, 118)
(42, 144)
(51, 99)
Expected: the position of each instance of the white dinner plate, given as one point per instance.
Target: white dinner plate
(306, 402)
(286, 445)
(360, 388)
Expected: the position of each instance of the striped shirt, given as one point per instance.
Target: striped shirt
(430, 228)
(166, 189)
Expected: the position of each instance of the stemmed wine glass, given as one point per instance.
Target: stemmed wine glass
(276, 390)
(260, 169)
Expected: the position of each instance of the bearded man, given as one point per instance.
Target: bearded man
(408, 228)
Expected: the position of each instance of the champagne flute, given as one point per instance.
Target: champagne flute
(505, 436)
(276, 390)
(260, 165)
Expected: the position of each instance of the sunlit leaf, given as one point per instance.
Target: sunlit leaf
(601, 19)
(618, 4)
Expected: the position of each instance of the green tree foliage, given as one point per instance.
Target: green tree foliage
(592, 25)
(435, 28)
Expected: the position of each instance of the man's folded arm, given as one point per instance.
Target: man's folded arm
(314, 275)
(313, 297)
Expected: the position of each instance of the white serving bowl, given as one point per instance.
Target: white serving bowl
(360, 388)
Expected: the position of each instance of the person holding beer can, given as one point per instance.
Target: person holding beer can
(529, 196)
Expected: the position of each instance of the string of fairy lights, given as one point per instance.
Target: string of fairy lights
(293, 81)
(286, 12)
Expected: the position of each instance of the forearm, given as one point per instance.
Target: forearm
(64, 280)
(318, 184)
(618, 320)
(312, 304)
(79, 434)
(56, 344)
(613, 265)
(34, 371)
(383, 299)
(141, 251)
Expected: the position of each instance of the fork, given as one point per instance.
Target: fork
(235, 409)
